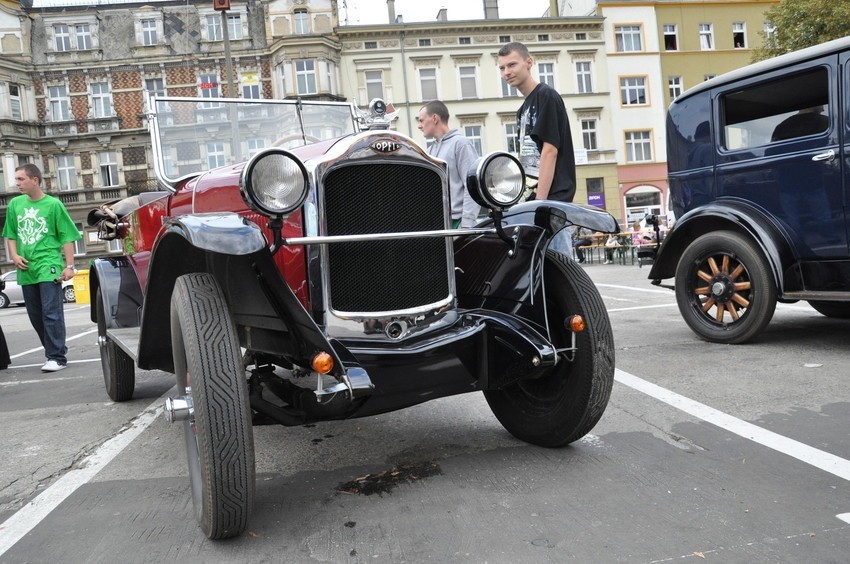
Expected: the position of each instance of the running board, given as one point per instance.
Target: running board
(819, 296)
(127, 339)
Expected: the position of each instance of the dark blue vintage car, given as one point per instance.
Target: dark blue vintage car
(758, 172)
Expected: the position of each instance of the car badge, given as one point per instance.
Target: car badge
(385, 145)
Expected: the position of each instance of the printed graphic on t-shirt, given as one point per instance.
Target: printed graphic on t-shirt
(31, 228)
(529, 155)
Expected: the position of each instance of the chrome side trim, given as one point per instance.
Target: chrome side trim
(320, 240)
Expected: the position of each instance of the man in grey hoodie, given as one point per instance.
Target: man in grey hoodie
(460, 155)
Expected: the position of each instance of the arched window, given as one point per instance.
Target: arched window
(642, 200)
(302, 22)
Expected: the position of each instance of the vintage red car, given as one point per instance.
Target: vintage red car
(299, 266)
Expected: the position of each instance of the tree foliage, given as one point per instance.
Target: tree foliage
(803, 23)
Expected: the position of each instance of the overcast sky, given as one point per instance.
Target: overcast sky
(363, 12)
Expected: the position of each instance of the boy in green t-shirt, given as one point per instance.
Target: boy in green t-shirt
(40, 231)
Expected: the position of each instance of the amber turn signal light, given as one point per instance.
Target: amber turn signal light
(322, 363)
(575, 324)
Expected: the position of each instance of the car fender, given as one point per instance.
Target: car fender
(236, 253)
(119, 289)
(730, 214)
(492, 274)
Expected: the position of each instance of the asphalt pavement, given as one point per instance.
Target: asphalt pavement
(728, 453)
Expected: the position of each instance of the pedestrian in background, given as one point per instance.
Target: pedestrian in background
(544, 136)
(41, 236)
(459, 154)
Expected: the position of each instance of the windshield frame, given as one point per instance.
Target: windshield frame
(160, 106)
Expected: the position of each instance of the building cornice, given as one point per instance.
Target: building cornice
(467, 27)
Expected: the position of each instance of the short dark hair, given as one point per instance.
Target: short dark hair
(30, 170)
(514, 47)
(438, 108)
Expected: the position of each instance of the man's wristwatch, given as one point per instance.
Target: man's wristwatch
(72, 267)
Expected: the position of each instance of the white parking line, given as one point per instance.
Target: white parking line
(819, 459)
(48, 379)
(29, 516)
(844, 517)
(639, 307)
(72, 338)
(650, 290)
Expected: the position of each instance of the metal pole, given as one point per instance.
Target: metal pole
(236, 144)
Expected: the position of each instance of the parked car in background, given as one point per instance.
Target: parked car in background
(13, 294)
(759, 175)
(320, 279)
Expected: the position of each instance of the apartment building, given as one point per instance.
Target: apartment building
(656, 50)
(456, 62)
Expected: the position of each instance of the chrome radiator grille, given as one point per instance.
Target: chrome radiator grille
(392, 275)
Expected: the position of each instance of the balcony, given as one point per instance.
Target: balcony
(75, 199)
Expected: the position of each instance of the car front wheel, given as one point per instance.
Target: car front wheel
(219, 438)
(4, 300)
(69, 294)
(565, 404)
(724, 288)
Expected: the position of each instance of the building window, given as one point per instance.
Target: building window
(302, 22)
(504, 39)
(214, 28)
(769, 34)
(83, 33)
(374, 84)
(588, 134)
(63, 37)
(101, 100)
(508, 90)
(671, 38)
(66, 175)
(583, 77)
(370, 45)
(543, 37)
(628, 38)
(305, 73)
(428, 84)
(739, 35)
(251, 91)
(15, 101)
(546, 73)
(108, 168)
(708, 76)
(113, 245)
(234, 27)
(706, 37)
(80, 244)
(674, 83)
(424, 42)
(210, 89)
(595, 185)
(638, 146)
(473, 133)
(581, 36)
(468, 82)
(255, 146)
(511, 144)
(633, 90)
(59, 104)
(156, 86)
(149, 32)
(464, 40)
(215, 154)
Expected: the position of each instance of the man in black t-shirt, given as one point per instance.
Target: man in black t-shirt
(545, 141)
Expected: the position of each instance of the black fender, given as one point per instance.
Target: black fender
(268, 315)
(731, 214)
(120, 291)
(492, 274)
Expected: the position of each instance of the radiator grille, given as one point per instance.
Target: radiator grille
(392, 275)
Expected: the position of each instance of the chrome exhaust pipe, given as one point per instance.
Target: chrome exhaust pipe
(179, 408)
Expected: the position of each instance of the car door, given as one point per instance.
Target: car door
(779, 149)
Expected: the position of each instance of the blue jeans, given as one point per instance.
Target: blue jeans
(47, 315)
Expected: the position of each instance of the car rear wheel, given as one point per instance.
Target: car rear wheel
(69, 295)
(838, 310)
(4, 300)
(219, 438)
(119, 370)
(565, 404)
(724, 288)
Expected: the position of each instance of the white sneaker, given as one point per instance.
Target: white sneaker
(53, 366)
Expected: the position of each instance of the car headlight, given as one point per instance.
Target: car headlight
(274, 182)
(497, 181)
